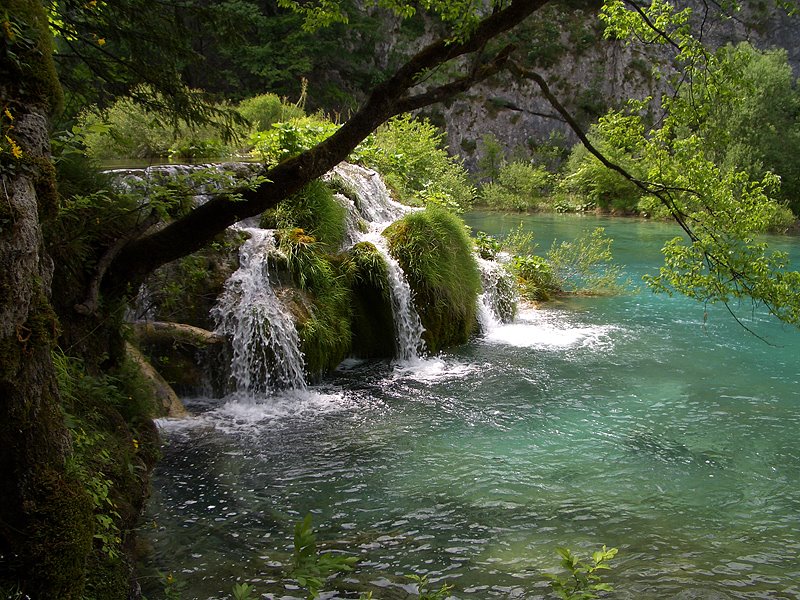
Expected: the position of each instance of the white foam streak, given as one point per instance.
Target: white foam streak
(243, 412)
(431, 370)
(546, 329)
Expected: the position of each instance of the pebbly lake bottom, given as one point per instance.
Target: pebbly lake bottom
(637, 421)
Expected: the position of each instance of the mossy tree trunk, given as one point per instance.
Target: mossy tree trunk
(45, 515)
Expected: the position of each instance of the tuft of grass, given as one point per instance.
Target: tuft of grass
(314, 210)
(371, 305)
(325, 332)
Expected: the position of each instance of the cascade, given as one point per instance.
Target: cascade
(371, 210)
(497, 304)
(265, 343)
(266, 347)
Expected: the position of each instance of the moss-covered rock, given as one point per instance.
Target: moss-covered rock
(184, 291)
(371, 305)
(436, 253)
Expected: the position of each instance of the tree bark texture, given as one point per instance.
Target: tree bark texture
(45, 515)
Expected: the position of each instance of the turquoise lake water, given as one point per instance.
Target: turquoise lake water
(636, 421)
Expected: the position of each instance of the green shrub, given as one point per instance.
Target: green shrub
(783, 219)
(652, 208)
(267, 109)
(584, 265)
(586, 176)
(129, 130)
(519, 186)
(113, 445)
(582, 580)
(535, 277)
(411, 156)
(436, 253)
(289, 138)
(125, 130)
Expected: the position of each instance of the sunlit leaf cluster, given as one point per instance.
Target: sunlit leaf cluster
(460, 15)
(723, 206)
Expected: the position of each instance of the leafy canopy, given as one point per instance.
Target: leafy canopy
(462, 15)
(722, 208)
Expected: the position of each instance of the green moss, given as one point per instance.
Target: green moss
(30, 52)
(371, 306)
(317, 213)
(435, 251)
(63, 516)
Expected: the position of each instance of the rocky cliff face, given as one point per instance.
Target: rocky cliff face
(589, 73)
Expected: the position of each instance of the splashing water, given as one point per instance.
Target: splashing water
(497, 304)
(374, 210)
(266, 347)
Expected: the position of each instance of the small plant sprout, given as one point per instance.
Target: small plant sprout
(583, 581)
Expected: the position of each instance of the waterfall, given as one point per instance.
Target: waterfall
(212, 177)
(497, 304)
(266, 347)
(407, 324)
(372, 210)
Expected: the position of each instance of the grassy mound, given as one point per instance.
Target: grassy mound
(435, 251)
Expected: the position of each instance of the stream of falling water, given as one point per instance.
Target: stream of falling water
(266, 347)
(375, 211)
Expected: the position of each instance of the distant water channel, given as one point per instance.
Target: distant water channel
(639, 422)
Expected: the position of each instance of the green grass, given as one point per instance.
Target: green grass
(436, 253)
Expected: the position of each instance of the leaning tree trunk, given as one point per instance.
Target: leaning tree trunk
(45, 516)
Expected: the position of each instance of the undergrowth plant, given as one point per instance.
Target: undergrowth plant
(264, 110)
(310, 568)
(584, 265)
(424, 588)
(583, 580)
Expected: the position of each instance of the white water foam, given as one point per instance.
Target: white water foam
(548, 329)
(431, 370)
(242, 412)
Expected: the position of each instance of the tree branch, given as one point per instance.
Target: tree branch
(661, 192)
(190, 233)
(90, 303)
(448, 90)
